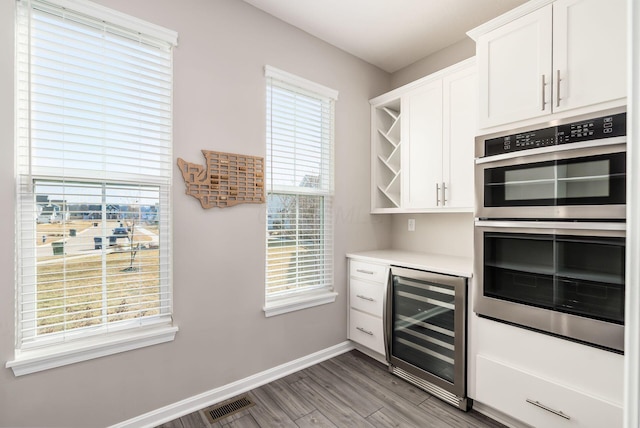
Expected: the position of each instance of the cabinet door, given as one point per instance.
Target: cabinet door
(459, 128)
(589, 52)
(514, 63)
(422, 148)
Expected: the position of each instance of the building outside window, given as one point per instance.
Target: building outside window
(93, 177)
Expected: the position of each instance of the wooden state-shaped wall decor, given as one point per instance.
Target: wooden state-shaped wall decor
(227, 179)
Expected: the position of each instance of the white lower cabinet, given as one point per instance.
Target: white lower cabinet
(366, 297)
(538, 401)
(366, 330)
(367, 286)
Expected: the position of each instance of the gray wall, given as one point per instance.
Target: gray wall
(218, 253)
(441, 233)
(450, 55)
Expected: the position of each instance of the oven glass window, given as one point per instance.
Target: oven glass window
(532, 183)
(590, 180)
(590, 277)
(519, 268)
(573, 274)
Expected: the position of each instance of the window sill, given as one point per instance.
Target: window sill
(49, 357)
(290, 304)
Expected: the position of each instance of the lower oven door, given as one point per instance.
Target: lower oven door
(562, 278)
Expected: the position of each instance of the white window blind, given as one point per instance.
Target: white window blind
(299, 174)
(94, 156)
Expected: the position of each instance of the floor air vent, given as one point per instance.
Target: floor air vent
(220, 411)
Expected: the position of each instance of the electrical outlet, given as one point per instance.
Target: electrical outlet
(412, 225)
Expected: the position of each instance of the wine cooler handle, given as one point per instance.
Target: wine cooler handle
(386, 322)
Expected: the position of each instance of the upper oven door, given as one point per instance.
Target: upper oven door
(553, 183)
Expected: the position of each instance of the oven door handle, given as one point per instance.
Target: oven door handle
(563, 225)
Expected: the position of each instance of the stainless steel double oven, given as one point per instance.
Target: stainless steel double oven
(550, 228)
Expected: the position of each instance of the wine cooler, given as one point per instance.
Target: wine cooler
(425, 332)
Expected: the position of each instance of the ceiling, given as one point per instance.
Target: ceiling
(390, 34)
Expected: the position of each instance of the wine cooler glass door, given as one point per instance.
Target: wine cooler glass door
(428, 325)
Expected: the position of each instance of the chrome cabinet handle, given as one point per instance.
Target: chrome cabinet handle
(368, 272)
(557, 88)
(444, 194)
(437, 194)
(370, 333)
(544, 101)
(365, 297)
(548, 409)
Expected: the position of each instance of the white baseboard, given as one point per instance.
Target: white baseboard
(370, 353)
(197, 402)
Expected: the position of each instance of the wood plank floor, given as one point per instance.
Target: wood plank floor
(350, 390)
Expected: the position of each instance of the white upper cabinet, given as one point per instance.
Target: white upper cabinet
(514, 70)
(589, 52)
(459, 130)
(423, 154)
(567, 55)
(435, 170)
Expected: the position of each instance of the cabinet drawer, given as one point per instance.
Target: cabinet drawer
(366, 296)
(366, 330)
(524, 396)
(368, 271)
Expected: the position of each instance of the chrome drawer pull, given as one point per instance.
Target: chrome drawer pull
(365, 297)
(370, 333)
(368, 272)
(548, 409)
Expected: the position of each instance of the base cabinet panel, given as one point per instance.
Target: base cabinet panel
(367, 287)
(538, 401)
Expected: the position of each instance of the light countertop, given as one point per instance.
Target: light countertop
(439, 263)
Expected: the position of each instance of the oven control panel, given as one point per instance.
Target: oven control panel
(592, 129)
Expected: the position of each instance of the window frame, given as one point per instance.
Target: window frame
(281, 303)
(45, 354)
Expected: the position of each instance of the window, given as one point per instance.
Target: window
(93, 172)
(299, 179)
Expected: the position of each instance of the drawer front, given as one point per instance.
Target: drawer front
(366, 330)
(369, 271)
(366, 296)
(534, 400)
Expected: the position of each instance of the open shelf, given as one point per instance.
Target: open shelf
(386, 156)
